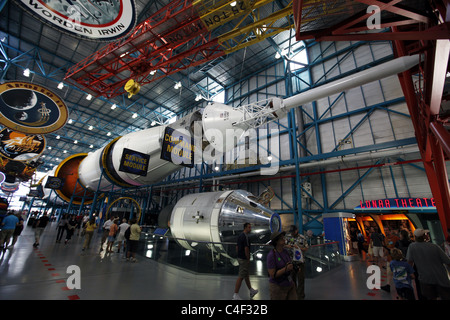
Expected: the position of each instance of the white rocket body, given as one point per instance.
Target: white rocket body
(219, 122)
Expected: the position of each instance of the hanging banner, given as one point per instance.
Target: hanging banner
(19, 146)
(30, 108)
(178, 148)
(134, 162)
(101, 20)
(54, 183)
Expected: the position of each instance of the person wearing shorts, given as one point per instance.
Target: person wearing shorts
(133, 243)
(243, 254)
(7, 227)
(377, 239)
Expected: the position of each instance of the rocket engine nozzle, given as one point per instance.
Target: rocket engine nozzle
(71, 189)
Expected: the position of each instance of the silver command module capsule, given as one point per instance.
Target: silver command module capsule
(216, 219)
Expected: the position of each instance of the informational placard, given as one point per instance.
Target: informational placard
(178, 148)
(134, 162)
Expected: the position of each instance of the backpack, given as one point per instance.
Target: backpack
(128, 233)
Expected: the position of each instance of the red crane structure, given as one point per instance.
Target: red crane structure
(175, 38)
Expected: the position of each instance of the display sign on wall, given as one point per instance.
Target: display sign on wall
(101, 20)
(30, 108)
(19, 146)
(134, 162)
(398, 204)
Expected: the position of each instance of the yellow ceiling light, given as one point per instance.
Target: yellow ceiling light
(132, 87)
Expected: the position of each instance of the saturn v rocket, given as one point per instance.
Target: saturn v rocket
(148, 156)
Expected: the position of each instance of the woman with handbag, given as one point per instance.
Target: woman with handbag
(280, 268)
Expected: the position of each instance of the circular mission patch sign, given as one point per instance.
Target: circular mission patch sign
(101, 20)
(30, 108)
(19, 146)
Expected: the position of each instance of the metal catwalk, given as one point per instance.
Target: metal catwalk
(27, 273)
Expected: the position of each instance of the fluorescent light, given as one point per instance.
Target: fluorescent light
(60, 85)
(26, 72)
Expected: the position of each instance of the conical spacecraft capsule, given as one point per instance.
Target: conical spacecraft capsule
(216, 219)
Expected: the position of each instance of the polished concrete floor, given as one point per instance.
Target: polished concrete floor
(44, 273)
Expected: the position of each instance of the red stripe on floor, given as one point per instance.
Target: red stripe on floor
(65, 288)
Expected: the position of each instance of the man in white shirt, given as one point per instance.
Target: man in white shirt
(121, 237)
(105, 228)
